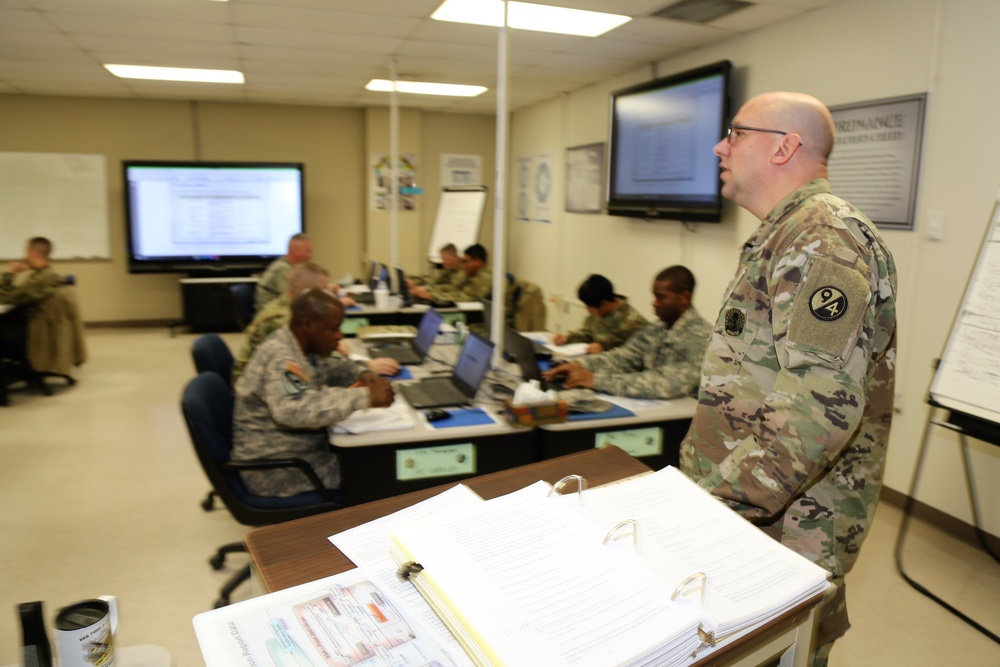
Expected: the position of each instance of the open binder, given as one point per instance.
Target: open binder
(649, 571)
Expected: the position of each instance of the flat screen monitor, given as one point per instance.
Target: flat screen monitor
(210, 217)
(662, 134)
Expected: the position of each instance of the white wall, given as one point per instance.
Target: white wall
(850, 51)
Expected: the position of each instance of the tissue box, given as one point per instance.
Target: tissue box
(536, 414)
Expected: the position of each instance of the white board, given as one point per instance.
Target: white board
(968, 377)
(63, 197)
(459, 215)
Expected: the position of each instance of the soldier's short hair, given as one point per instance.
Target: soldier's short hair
(41, 245)
(595, 290)
(678, 277)
(315, 304)
(476, 251)
(305, 275)
(449, 248)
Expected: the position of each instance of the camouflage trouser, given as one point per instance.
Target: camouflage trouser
(832, 622)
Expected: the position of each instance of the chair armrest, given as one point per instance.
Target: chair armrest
(272, 464)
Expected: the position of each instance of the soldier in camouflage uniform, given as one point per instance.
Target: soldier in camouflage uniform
(274, 281)
(662, 360)
(292, 390)
(611, 320)
(796, 392)
(277, 313)
(30, 281)
(475, 283)
(450, 272)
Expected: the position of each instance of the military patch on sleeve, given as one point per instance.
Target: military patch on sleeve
(294, 380)
(292, 383)
(829, 309)
(735, 321)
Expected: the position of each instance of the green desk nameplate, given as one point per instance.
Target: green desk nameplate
(635, 441)
(352, 324)
(435, 462)
(451, 318)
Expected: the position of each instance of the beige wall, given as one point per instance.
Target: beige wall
(850, 51)
(333, 143)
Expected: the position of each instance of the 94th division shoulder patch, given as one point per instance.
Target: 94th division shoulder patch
(829, 309)
(828, 303)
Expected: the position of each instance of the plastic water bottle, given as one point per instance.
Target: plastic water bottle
(382, 296)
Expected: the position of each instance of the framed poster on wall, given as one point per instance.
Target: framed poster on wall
(876, 157)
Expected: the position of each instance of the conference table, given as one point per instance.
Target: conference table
(419, 454)
(298, 552)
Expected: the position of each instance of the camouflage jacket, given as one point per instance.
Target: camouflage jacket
(465, 287)
(612, 330)
(29, 287)
(274, 315)
(440, 277)
(284, 402)
(273, 283)
(656, 362)
(796, 392)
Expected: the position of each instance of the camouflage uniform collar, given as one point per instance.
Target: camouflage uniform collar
(293, 344)
(790, 203)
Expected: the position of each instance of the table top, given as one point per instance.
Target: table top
(297, 552)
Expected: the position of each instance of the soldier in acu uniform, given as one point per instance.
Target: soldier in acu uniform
(475, 282)
(796, 392)
(292, 390)
(662, 360)
(611, 320)
(31, 280)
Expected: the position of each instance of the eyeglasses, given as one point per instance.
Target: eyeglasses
(744, 128)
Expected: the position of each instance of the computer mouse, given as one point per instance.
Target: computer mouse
(436, 415)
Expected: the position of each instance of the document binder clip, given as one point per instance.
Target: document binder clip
(581, 485)
(610, 536)
(408, 569)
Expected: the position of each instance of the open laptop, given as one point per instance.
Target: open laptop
(521, 350)
(458, 389)
(541, 351)
(410, 350)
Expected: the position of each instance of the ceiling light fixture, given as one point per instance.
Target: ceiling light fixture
(176, 74)
(426, 88)
(528, 16)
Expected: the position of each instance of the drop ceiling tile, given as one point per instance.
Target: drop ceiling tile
(312, 20)
(193, 11)
(416, 8)
(19, 19)
(667, 31)
(290, 55)
(757, 16)
(170, 30)
(316, 40)
(156, 47)
(458, 33)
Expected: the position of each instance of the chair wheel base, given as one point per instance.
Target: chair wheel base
(217, 561)
(221, 602)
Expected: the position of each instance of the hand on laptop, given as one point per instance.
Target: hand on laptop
(384, 366)
(570, 375)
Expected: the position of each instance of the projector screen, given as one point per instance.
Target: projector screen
(192, 217)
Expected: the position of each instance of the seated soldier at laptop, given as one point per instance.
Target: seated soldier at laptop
(475, 283)
(611, 320)
(292, 390)
(662, 360)
(276, 313)
(449, 273)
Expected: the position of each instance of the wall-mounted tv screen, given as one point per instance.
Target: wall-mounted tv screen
(210, 217)
(662, 134)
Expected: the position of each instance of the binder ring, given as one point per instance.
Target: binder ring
(691, 579)
(621, 524)
(581, 485)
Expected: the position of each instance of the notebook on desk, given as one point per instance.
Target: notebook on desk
(458, 389)
(410, 350)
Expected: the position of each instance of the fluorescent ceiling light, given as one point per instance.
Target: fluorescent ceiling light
(424, 88)
(176, 74)
(528, 16)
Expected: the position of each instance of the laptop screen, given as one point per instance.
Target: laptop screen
(430, 324)
(473, 361)
(522, 350)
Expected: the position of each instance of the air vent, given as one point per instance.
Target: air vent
(701, 11)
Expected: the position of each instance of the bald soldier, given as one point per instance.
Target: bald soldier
(292, 390)
(796, 390)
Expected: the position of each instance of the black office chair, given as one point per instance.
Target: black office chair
(243, 307)
(210, 353)
(207, 404)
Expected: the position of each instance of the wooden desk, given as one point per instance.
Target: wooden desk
(298, 552)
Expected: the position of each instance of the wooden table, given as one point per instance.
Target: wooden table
(298, 552)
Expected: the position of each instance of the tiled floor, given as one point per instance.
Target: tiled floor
(100, 493)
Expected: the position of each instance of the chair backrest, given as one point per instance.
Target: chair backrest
(243, 307)
(207, 404)
(210, 353)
